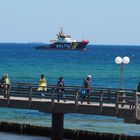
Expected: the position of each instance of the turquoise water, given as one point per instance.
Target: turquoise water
(72, 121)
(9, 136)
(25, 64)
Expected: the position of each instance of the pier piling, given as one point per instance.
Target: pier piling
(57, 126)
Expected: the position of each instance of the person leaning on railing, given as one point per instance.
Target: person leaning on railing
(86, 89)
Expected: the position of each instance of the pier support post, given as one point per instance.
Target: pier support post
(136, 106)
(57, 126)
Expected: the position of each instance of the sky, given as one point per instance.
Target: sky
(100, 21)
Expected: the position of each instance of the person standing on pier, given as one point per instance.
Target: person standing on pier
(138, 87)
(42, 85)
(60, 89)
(2, 83)
(7, 84)
(86, 89)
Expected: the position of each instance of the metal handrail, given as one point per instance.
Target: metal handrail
(30, 87)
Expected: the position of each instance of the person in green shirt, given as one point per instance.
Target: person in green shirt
(7, 80)
(6, 84)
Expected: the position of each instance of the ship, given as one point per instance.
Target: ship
(64, 42)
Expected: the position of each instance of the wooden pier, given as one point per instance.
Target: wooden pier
(122, 103)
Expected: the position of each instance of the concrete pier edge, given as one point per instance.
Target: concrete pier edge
(19, 128)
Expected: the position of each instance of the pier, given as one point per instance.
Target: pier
(123, 103)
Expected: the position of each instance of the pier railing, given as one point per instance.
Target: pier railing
(98, 95)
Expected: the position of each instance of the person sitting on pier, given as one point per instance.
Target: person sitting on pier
(61, 90)
(42, 85)
(86, 89)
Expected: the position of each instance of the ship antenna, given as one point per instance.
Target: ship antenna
(61, 30)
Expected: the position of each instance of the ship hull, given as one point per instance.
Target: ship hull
(64, 46)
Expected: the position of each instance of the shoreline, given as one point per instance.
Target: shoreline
(34, 130)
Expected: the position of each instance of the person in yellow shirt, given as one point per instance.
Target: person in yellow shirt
(42, 85)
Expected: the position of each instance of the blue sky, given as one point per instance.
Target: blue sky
(99, 21)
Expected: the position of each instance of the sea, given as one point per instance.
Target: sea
(23, 63)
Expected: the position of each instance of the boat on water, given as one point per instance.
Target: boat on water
(64, 42)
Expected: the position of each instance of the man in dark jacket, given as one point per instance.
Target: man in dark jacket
(60, 89)
(86, 89)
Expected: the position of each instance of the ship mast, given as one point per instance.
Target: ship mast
(61, 30)
(61, 34)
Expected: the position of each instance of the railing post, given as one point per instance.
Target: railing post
(88, 97)
(30, 95)
(101, 101)
(109, 91)
(8, 94)
(76, 99)
(53, 94)
(117, 104)
(136, 105)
